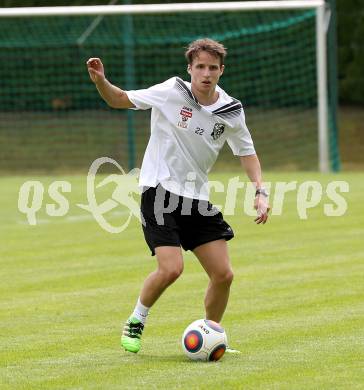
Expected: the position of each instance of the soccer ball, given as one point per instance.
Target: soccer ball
(204, 340)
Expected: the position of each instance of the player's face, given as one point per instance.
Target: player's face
(205, 72)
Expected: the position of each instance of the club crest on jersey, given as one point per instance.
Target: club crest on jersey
(186, 115)
(218, 129)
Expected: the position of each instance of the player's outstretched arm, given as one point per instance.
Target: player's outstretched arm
(251, 165)
(113, 96)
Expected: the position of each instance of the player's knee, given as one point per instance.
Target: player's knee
(175, 274)
(172, 274)
(225, 277)
(229, 277)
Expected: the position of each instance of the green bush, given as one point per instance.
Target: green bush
(351, 51)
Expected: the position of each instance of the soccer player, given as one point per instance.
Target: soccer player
(190, 122)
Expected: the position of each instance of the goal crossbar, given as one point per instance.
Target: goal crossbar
(159, 8)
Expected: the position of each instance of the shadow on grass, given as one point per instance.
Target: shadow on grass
(165, 359)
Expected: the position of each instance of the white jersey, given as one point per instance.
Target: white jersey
(186, 137)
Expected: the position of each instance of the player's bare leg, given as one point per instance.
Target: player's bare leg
(214, 258)
(170, 267)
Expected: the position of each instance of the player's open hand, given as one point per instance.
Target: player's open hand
(262, 207)
(95, 69)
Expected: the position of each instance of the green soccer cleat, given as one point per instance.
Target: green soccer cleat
(132, 332)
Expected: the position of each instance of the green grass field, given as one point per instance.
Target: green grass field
(296, 309)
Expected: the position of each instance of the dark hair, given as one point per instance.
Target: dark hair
(206, 44)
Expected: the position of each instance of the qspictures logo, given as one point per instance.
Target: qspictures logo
(121, 200)
(123, 193)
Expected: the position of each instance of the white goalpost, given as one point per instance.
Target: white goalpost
(321, 29)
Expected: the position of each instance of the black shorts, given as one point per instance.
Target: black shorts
(172, 220)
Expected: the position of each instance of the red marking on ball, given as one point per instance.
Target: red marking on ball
(193, 341)
(217, 353)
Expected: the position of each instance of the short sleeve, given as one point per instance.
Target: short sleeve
(239, 138)
(155, 96)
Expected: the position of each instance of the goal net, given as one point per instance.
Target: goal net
(53, 120)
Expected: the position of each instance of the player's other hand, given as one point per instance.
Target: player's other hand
(262, 207)
(95, 69)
